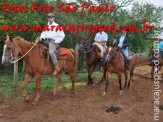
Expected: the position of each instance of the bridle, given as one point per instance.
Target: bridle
(111, 57)
(86, 48)
(19, 58)
(107, 55)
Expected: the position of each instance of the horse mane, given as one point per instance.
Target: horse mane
(23, 40)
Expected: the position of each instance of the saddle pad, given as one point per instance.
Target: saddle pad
(63, 51)
(100, 47)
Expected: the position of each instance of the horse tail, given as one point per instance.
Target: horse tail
(74, 54)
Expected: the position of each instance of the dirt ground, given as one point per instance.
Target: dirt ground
(87, 105)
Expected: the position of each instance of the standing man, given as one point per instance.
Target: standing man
(101, 38)
(54, 38)
(122, 44)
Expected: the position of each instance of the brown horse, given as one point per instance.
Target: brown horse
(115, 63)
(35, 65)
(92, 59)
(154, 61)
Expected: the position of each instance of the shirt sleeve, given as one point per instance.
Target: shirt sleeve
(60, 37)
(105, 38)
(43, 35)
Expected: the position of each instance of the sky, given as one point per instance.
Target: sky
(158, 3)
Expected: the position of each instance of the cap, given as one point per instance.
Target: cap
(51, 15)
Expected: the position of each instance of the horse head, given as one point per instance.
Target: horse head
(10, 51)
(110, 52)
(84, 44)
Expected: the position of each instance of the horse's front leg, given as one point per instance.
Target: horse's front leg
(88, 69)
(126, 77)
(26, 80)
(120, 83)
(90, 73)
(108, 78)
(58, 82)
(152, 72)
(103, 77)
(38, 83)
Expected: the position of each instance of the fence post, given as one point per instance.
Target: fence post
(77, 57)
(16, 73)
(23, 66)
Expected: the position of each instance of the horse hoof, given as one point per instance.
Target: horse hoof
(125, 86)
(35, 102)
(26, 98)
(104, 94)
(55, 94)
(120, 92)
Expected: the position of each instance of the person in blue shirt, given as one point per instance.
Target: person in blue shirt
(122, 44)
(160, 46)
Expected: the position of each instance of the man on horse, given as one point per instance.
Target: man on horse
(53, 38)
(160, 46)
(101, 38)
(122, 45)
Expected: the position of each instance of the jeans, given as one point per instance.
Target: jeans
(104, 53)
(52, 49)
(125, 53)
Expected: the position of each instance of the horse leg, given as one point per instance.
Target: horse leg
(90, 73)
(26, 80)
(126, 77)
(88, 69)
(71, 73)
(107, 83)
(120, 83)
(131, 74)
(103, 77)
(152, 72)
(58, 82)
(38, 83)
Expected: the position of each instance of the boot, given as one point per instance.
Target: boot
(56, 69)
(128, 65)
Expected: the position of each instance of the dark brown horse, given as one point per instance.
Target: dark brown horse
(115, 63)
(35, 65)
(92, 59)
(154, 61)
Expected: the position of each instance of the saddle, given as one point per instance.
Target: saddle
(44, 49)
(100, 50)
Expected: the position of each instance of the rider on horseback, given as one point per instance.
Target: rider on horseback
(101, 38)
(160, 46)
(53, 38)
(122, 45)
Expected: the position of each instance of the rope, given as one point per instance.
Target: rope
(25, 53)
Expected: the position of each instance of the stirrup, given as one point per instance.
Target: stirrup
(56, 69)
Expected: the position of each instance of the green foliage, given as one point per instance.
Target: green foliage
(140, 12)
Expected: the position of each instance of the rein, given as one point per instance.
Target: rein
(25, 53)
(113, 56)
(86, 49)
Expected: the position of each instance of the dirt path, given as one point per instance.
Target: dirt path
(88, 105)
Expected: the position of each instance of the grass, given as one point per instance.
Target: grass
(7, 89)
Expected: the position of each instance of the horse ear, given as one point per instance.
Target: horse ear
(8, 38)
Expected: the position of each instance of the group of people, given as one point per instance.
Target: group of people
(54, 38)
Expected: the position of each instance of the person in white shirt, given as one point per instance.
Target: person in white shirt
(54, 38)
(101, 38)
